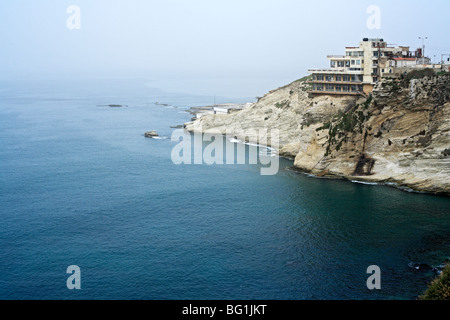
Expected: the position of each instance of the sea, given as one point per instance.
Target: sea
(81, 186)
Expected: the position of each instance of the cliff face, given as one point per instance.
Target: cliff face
(288, 109)
(400, 134)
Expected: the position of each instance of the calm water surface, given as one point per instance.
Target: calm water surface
(80, 185)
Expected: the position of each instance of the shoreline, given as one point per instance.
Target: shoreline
(327, 175)
(378, 140)
(354, 179)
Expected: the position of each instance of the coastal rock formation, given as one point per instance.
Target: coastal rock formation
(400, 134)
(289, 109)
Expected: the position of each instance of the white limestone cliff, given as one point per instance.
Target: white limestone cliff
(401, 134)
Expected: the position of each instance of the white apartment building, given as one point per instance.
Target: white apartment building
(360, 68)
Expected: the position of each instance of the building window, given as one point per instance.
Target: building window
(354, 89)
(320, 77)
(338, 78)
(346, 88)
(338, 88)
(347, 78)
(353, 62)
(330, 78)
(375, 53)
(347, 64)
(374, 79)
(358, 62)
(320, 87)
(333, 64)
(329, 87)
(341, 64)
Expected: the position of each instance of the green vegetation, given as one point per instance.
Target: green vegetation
(283, 104)
(305, 78)
(325, 126)
(366, 104)
(349, 122)
(393, 85)
(439, 289)
(309, 119)
(417, 74)
(305, 86)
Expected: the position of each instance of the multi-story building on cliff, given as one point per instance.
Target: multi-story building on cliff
(361, 67)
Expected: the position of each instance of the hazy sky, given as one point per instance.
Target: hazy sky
(229, 47)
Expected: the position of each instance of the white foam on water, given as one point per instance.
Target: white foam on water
(367, 183)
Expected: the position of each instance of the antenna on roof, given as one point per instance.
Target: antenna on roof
(423, 48)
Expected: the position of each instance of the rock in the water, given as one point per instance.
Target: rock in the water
(421, 266)
(112, 105)
(151, 134)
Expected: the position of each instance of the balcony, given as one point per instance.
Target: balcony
(350, 82)
(352, 93)
(335, 71)
(338, 57)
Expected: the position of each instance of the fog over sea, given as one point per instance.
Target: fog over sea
(81, 185)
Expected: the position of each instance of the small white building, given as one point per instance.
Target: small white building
(402, 62)
(230, 107)
(221, 110)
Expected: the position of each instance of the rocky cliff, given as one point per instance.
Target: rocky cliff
(400, 134)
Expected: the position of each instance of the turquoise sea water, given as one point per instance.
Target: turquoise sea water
(80, 185)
